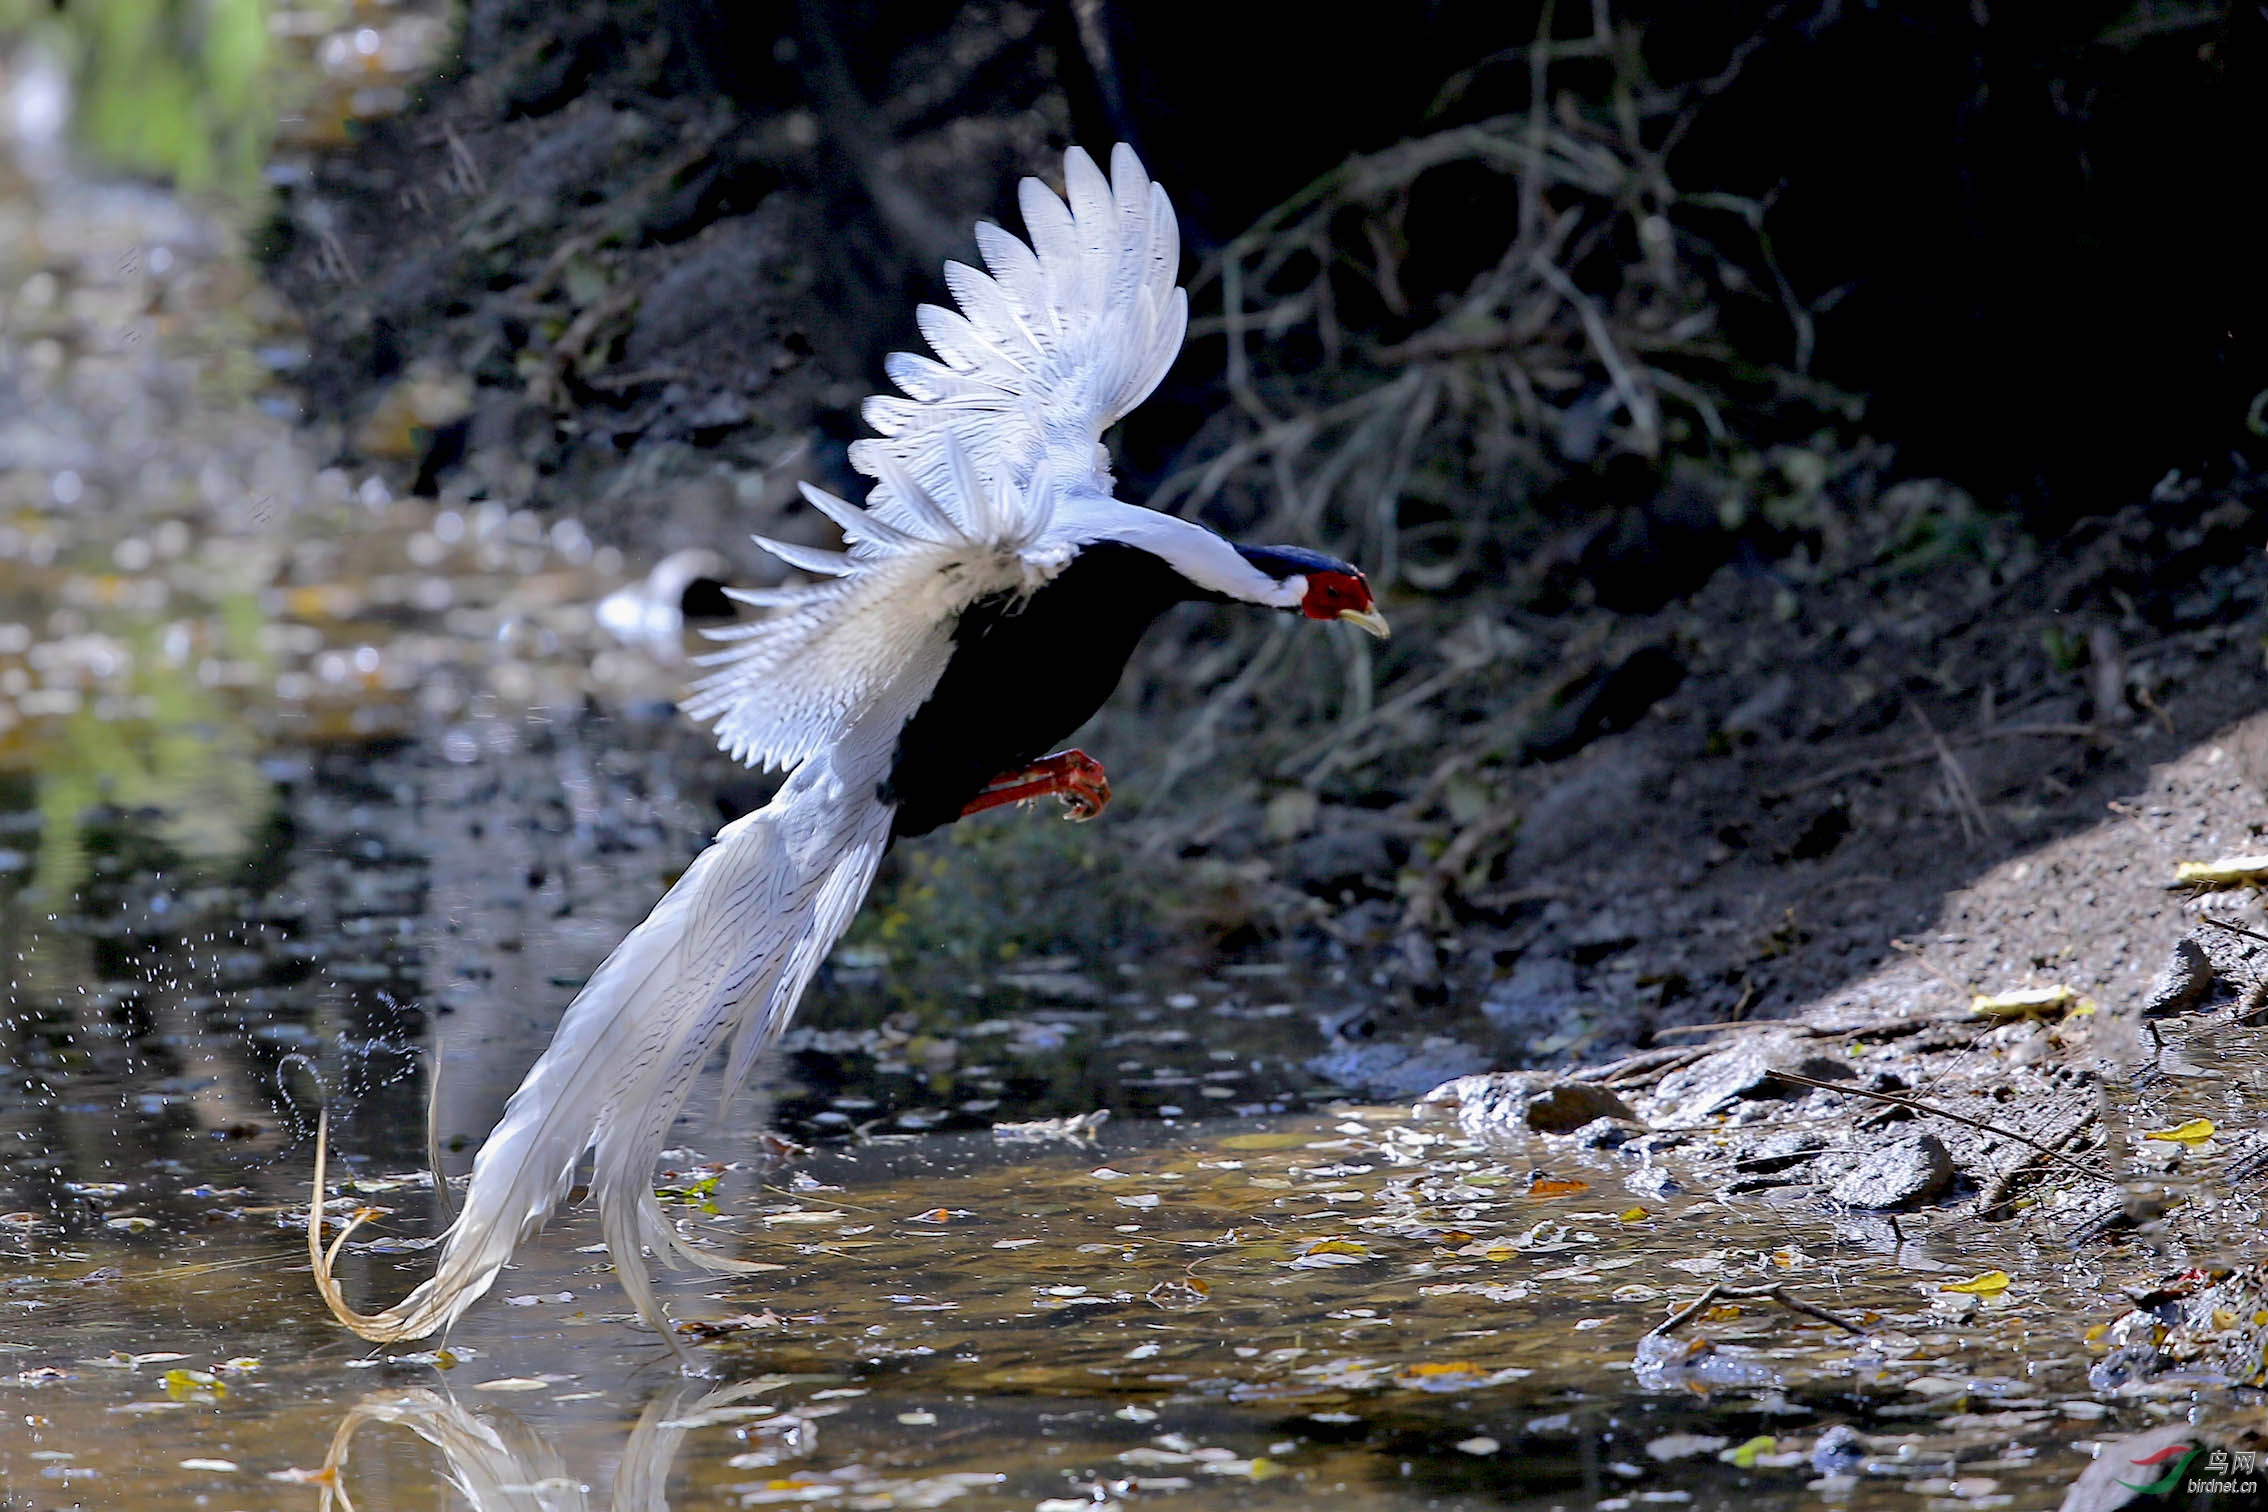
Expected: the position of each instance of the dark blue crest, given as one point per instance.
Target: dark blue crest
(1281, 562)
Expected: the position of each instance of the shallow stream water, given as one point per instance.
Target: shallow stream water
(307, 790)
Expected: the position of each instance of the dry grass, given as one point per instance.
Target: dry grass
(1426, 442)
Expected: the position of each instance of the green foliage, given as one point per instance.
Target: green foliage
(2066, 652)
(1931, 522)
(178, 89)
(184, 755)
(984, 893)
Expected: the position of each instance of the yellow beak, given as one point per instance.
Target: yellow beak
(1367, 619)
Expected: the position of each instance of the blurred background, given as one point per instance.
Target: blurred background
(1809, 453)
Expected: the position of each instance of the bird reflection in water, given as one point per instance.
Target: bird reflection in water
(498, 1463)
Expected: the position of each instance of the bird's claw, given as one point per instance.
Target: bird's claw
(1073, 776)
(1085, 791)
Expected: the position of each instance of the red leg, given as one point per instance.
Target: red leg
(1073, 776)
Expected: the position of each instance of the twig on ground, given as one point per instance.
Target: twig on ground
(2237, 929)
(1997, 1191)
(1639, 1070)
(1975, 822)
(1922, 755)
(1776, 1291)
(1933, 1110)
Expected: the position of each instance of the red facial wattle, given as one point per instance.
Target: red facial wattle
(1342, 596)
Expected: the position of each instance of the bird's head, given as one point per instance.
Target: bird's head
(1324, 588)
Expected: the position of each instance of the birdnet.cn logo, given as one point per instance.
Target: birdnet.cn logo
(2225, 1471)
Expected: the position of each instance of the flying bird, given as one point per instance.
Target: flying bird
(987, 599)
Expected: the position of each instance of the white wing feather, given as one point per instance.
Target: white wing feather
(1063, 338)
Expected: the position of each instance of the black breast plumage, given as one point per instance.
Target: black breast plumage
(1024, 674)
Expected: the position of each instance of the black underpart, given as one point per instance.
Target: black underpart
(1025, 673)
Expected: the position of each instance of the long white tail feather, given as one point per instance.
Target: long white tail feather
(730, 948)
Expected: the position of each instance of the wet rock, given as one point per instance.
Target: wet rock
(2121, 1468)
(1504, 1101)
(1393, 1071)
(1646, 1146)
(1742, 1070)
(1912, 1169)
(651, 615)
(1572, 1105)
(2183, 983)
(1494, 1100)
(1652, 1181)
(1838, 1451)
(1605, 1134)
(1780, 1150)
(1681, 1363)
(2202, 1324)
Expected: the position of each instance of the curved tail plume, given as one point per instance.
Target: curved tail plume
(727, 952)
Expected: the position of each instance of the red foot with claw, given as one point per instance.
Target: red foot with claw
(1073, 776)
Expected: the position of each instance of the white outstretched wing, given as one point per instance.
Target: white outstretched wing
(788, 685)
(1064, 338)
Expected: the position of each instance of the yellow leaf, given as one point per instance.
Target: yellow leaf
(1443, 1368)
(1499, 1253)
(1744, 1455)
(1990, 1284)
(1556, 1186)
(193, 1385)
(2030, 1002)
(2228, 871)
(2194, 1132)
(1264, 1141)
(1335, 1247)
(1634, 1215)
